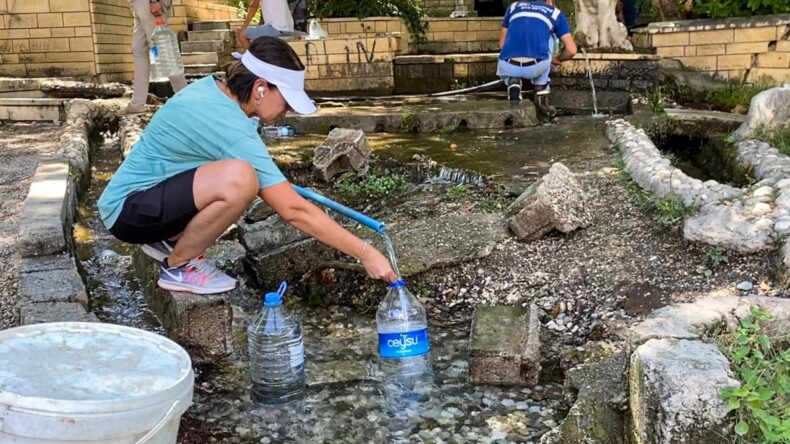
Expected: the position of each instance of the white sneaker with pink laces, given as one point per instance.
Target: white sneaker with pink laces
(197, 276)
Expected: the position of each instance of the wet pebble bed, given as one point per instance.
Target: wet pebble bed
(348, 400)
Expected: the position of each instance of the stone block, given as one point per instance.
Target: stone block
(200, 58)
(705, 63)
(670, 39)
(289, 262)
(46, 110)
(774, 60)
(734, 61)
(674, 393)
(671, 51)
(210, 25)
(215, 46)
(267, 234)
(54, 285)
(344, 150)
(556, 201)
(505, 346)
(756, 34)
(681, 321)
(45, 210)
(54, 312)
(708, 50)
(199, 323)
(747, 48)
(711, 37)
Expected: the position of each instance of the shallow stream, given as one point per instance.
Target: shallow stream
(346, 400)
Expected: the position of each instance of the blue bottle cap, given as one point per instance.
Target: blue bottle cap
(275, 298)
(397, 284)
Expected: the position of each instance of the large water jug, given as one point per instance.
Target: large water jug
(402, 325)
(165, 52)
(276, 353)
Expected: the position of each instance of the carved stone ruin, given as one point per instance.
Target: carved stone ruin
(597, 26)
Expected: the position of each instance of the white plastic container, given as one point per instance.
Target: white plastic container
(80, 382)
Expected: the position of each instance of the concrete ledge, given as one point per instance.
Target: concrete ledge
(54, 312)
(199, 323)
(423, 118)
(711, 25)
(64, 285)
(42, 110)
(504, 346)
(45, 207)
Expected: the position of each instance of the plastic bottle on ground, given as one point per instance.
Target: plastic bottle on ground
(276, 353)
(402, 325)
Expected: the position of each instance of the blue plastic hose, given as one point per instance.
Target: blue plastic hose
(367, 221)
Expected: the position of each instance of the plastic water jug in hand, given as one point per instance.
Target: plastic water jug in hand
(164, 52)
(404, 349)
(276, 353)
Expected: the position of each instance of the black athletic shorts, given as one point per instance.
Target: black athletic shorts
(158, 213)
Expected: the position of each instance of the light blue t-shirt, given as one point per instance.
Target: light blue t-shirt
(197, 126)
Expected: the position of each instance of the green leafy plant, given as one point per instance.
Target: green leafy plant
(736, 95)
(778, 137)
(716, 257)
(761, 405)
(656, 99)
(409, 121)
(740, 8)
(490, 205)
(411, 11)
(372, 186)
(457, 191)
(671, 210)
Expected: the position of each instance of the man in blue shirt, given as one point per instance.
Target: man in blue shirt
(526, 45)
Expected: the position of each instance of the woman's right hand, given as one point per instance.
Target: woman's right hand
(377, 266)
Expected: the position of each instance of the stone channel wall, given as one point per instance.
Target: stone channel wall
(611, 72)
(738, 49)
(87, 39)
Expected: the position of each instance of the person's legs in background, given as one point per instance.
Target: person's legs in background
(143, 30)
(512, 75)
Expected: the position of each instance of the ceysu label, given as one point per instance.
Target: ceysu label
(404, 345)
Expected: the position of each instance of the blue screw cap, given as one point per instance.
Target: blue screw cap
(275, 298)
(398, 284)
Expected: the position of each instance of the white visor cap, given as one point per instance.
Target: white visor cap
(289, 82)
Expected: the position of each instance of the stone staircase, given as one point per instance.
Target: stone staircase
(208, 46)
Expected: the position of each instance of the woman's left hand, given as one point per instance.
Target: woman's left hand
(377, 266)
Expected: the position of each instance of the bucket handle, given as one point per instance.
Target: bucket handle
(168, 416)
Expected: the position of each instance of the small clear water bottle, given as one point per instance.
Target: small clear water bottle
(165, 51)
(276, 353)
(402, 325)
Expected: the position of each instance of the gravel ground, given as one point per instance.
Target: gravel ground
(21, 147)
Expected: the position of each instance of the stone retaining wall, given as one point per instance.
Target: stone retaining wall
(349, 65)
(88, 39)
(444, 36)
(738, 49)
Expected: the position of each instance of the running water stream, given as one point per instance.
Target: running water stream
(391, 252)
(596, 114)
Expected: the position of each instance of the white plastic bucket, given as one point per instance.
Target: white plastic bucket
(82, 382)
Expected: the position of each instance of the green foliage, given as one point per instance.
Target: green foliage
(736, 95)
(490, 205)
(242, 6)
(411, 11)
(409, 121)
(656, 99)
(372, 186)
(762, 404)
(740, 8)
(315, 296)
(666, 211)
(458, 191)
(778, 137)
(671, 210)
(716, 256)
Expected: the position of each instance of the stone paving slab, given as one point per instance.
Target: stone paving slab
(59, 285)
(199, 323)
(505, 346)
(54, 312)
(45, 206)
